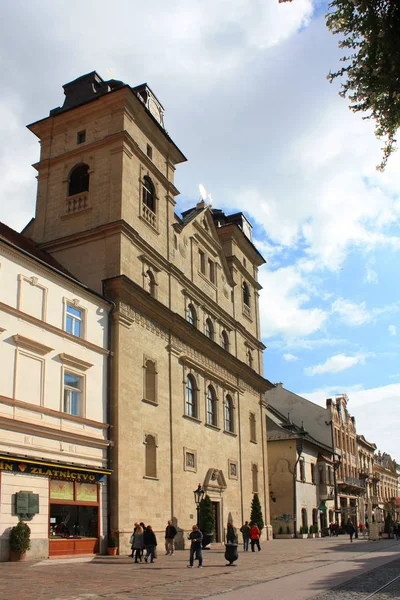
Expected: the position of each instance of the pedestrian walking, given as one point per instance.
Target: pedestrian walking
(254, 536)
(245, 531)
(137, 543)
(196, 537)
(350, 529)
(143, 526)
(150, 543)
(170, 533)
(231, 546)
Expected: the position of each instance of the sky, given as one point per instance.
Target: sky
(244, 86)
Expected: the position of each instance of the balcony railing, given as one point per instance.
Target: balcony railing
(149, 216)
(352, 481)
(326, 491)
(77, 202)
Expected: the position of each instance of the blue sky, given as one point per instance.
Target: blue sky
(247, 100)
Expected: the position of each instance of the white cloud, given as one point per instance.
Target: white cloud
(282, 309)
(351, 313)
(335, 364)
(371, 276)
(290, 357)
(392, 329)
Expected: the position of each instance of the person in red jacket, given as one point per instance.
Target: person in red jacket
(254, 537)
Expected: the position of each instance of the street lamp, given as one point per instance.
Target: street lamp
(198, 497)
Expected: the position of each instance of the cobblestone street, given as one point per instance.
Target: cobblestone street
(118, 578)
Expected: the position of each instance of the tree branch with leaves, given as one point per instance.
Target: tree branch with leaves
(371, 71)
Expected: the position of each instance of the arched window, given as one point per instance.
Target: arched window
(191, 397)
(150, 456)
(191, 315)
(148, 194)
(224, 340)
(150, 281)
(150, 381)
(211, 406)
(209, 330)
(228, 414)
(254, 477)
(246, 294)
(78, 180)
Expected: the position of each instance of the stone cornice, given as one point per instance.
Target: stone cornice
(72, 361)
(210, 374)
(48, 327)
(123, 288)
(32, 345)
(52, 413)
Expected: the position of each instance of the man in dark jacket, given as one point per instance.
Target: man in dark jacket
(196, 537)
(170, 533)
(245, 530)
(350, 530)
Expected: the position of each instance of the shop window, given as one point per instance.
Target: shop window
(229, 414)
(190, 397)
(74, 320)
(209, 329)
(254, 478)
(253, 432)
(211, 407)
(191, 315)
(74, 510)
(73, 391)
(150, 381)
(79, 180)
(150, 456)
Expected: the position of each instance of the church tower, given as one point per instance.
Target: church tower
(187, 383)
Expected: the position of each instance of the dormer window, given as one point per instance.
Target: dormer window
(79, 180)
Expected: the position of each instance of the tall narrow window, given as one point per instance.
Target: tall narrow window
(150, 381)
(211, 271)
(151, 456)
(302, 470)
(254, 478)
(150, 281)
(148, 194)
(79, 180)
(202, 262)
(312, 472)
(253, 432)
(191, 315)
(250, 360)
(224, 340)
(73, 385)
(228, 414)
(190, 399)
(73, 320)
(246, 294)
(211, 407)
(209, 329)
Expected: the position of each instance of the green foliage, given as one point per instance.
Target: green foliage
(206, 519)
(314, 529)
(112, 542)
(20, 538)
(288, 529)
(280, 530)
(256, 515)
(371, 71)
(303, 530)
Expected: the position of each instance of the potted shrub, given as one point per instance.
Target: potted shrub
(112, 545)
(303, 533)
(20, 541)
(206, 521)
(313, 531)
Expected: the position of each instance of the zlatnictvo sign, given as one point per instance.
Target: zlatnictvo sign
(50, 470)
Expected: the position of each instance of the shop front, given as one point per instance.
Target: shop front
(72, 503)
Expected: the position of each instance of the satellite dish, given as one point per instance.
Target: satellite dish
(203, 192)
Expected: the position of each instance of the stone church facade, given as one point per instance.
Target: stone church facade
(187, 379)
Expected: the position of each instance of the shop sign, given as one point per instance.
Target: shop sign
(50, 471)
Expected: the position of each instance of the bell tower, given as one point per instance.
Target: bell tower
(106, 172)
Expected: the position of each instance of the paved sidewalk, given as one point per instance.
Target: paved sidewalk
(118, 578)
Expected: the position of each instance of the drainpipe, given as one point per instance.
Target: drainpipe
(108, 409)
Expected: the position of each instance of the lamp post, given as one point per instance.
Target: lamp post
(198, 497)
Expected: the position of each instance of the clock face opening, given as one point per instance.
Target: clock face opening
(155, 111)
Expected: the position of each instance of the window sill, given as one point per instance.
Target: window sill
(152, 402)
(203, 276)
(231, 433)
(153, 227)
(253, 441)
(152, 478)
(194, 419)
(215, 427)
